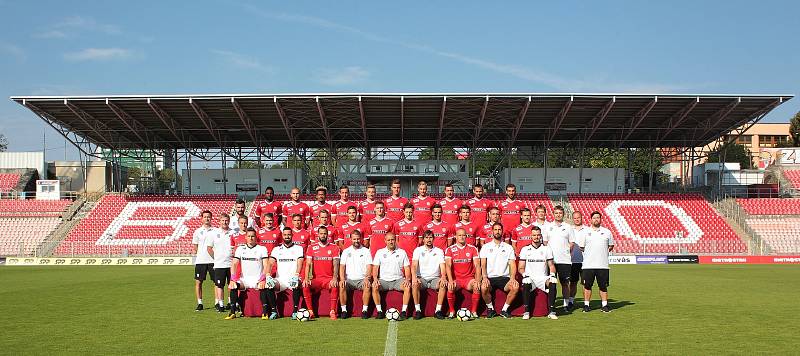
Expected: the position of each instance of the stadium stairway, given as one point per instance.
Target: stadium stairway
(776, 221)
(735, 217)
(70, 219)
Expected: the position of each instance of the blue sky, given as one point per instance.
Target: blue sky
(142, 47)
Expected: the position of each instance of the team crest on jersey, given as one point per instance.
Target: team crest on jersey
(468, 254)
(329, 252)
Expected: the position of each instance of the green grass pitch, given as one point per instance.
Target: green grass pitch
(659, 309)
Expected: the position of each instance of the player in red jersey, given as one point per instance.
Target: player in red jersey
(450, 205)
(322, 259)
(395, 203)
(343, 240)
(442, 231)
(479, 205)
(325, 221)
(408, 231)
(341, 205)
(269, 205)
(470, 227)
(510, 209)
(318, 205)
(239, 237)
(300, 236)
(366, 208)
(522, 235)
(463, 266)
(422, 204)
(378, 228)
(295, 206)
(269, 236)
(485, 232)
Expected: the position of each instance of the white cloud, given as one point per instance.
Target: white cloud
(345, 76)
(13, 51)
(74, 26)
(98, 54)
(243, 61)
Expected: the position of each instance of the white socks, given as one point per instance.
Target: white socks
(489, 306)
(344, 308)
(586, 303)
(405, 307)
(438, 307)
(605, 303)
(505, 307)
(379, 308)
(199, 301)
(364, 309)
(417, 307)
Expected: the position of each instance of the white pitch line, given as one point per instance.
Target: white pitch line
(391, 340)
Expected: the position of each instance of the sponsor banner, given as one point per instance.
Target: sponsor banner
(750, 259)
(100, 261)
(683, 259)
(622, 260)
(651, 260)
(247, 187)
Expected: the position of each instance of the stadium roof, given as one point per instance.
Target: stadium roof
(399, 119)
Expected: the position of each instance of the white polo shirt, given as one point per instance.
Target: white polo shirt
(580, 233)
(356, 261)
(221, 244)
(536, 261)
(544, 227)
(287, 257)
(199, 238)
(595, 245)
(391, 262)
(558, 237)
(497, 257)
(234, 222)
(428, 261)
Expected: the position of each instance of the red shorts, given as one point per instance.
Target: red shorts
(463, 282)
(318, 284)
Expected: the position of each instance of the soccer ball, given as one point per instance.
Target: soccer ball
(464, 314)
(303, 314)
(392, 314)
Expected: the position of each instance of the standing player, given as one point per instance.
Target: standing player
(341, 205)
(463, 268)
(378, 228)
(343, 240)
(522, 235)
(325, 221)
(466, 223)
(577, 257)
(538, 272)
(203, 262)
(300, 236)
(510, 209)
(395, 203)
(355, 272)
(479, 205)
(442, 231)
(269, 205)
(238, 211)
(390, 271)
(269, 236)
(295, 206)
(450, 205)
(422, 204)
(596, 244)
(239, 235)
(485, 234)
(318, 205)
(561, 239)
(250, 270)
(541, 214)
(289, 260)
(366, 208)
(428, 272)
(498, 264)
(322, 259)
(219, 248)
(408, 231)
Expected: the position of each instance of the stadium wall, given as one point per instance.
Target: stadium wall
(243, 182)
(87, 177)
(16, 160)
(564, 180)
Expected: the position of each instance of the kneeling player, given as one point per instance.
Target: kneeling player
(251, 271)
(390, 271)
(463, 268)
(535, 262)
(322, 259)
(427, 271)
(289, 258)
(355, 273)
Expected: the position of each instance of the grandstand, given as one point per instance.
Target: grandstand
(776, 221)
(24, 224)
(794, 177)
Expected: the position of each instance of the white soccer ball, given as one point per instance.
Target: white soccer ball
(463, 314)
(392, 314)
(303, 314)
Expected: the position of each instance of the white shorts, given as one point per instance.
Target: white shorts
(249, 282)
(540, 282)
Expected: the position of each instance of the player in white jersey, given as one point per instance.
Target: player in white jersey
(390, 271)
(238, 211)
(541, 222)
(561, 239)
(219, 248)
(427, 271)
(355, 272)
(498, 265)
(538, 272)
(596, 245)
(251, 270)
(203, 262)
(577, 258)
(289, 258)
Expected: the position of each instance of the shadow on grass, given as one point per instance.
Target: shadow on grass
(615, 304)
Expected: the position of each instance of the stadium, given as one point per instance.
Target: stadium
(686, 236)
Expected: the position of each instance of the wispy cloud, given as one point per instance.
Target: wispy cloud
(555, 81)
(345, 76)
(98, 54)
(242, 61)
(13, 51)
(74, 26)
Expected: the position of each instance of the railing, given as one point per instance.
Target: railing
(90, 249)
